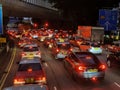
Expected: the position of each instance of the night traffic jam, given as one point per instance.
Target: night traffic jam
(59, 45)
(59, 56)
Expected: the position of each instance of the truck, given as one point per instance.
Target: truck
(91, 33)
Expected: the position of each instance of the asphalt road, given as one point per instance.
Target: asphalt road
(59, 79)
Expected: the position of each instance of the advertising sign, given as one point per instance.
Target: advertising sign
(2, 40)
(108, 19)
(84, 31)
(1, 20)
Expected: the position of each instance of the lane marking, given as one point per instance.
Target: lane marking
(55, 88)
(3, 79)
(117, 84)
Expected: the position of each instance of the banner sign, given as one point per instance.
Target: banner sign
(2, 40)
(108, 19)
(84, 31)
(1, 20)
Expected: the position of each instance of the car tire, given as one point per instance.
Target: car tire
(109, 64)
(73, 76)
(56, 57)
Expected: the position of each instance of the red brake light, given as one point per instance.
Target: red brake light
(71, 49)
(93, 78)
(23, 54)
(78, 42)
(30, 47)
(41, 78)
(48, 42)
(19, 43)
(29, 70)
(38, 53)
(80, 68)
(19, 81)
(102, 67)
(57, 50)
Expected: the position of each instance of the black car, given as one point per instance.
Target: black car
(84, 65)
(113, 59)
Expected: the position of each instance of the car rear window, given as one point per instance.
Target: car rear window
(33, 66)
(64, 46)
(30, 49)
(88, 59)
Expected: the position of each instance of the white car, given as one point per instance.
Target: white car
(95, 49)
(31, 50)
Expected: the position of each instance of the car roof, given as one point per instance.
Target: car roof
(30, 60)
(33, 45)
(83, 53)
(28, 87)
(63, 42)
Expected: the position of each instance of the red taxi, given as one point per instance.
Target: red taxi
(29, 72)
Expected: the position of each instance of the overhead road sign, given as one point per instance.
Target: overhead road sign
(108, 19)
(1, 20)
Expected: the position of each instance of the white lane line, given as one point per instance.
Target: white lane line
(55, 88)
(117, 84)
(5, 75)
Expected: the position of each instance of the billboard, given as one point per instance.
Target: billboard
(1, 20)
(108, 19)
(84, 31)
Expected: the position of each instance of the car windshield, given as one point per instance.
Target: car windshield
(95, 45)
(30, 49)
(33, 66)
(64, 46)
(88, 59)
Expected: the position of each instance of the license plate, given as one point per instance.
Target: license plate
(29, 80)
(30, 55)
(65, 53)
(96, 48)
(93, 70)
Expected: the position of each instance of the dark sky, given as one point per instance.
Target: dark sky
(107, 3)
(87, 11)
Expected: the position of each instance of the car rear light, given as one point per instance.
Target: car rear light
(71, 49)
(80, 68)
(57, 36)
(41, 79)
(94, 78)
(19, 43)
(30, 37)
(38, 53)
(48, 42)
(78, 42)
(102, 67)
(23, 54)
(29, 70)
(19, 81)
(57, 50)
